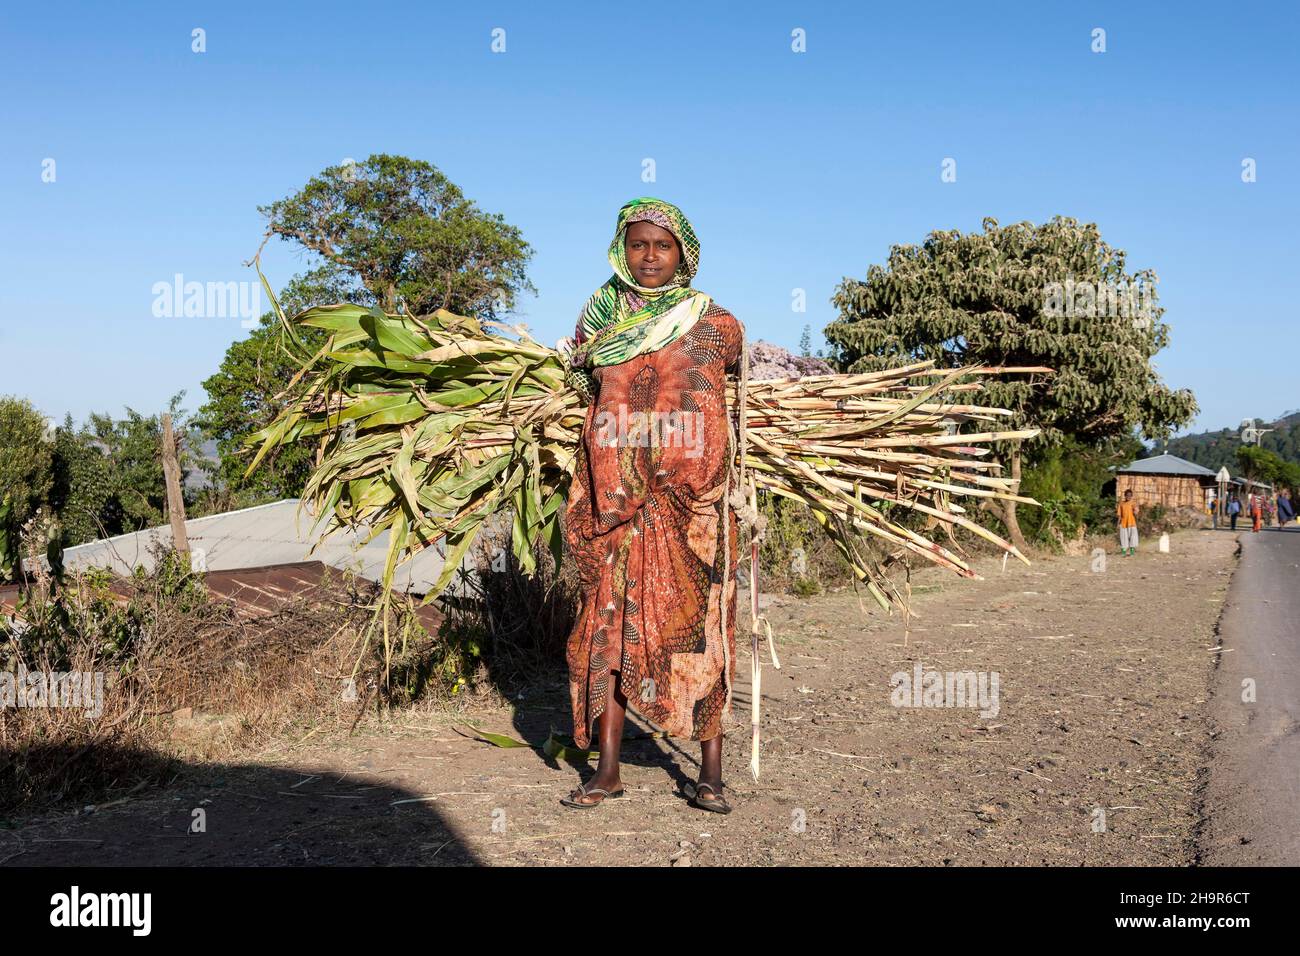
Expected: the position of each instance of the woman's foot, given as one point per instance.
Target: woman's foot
(594, 791)
(707, 795)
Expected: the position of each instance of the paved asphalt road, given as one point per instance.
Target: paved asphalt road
(1252, 801)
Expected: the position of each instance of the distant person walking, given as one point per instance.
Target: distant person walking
(1126, 511)
(1234, 509)
(1256, 512)
(1285, 508)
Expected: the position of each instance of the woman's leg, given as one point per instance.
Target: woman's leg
(610, 735)
(711, 767)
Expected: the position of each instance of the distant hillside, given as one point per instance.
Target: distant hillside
(1216, 449)
(197, 479)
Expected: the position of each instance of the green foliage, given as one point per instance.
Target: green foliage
(1153, 519)
(58, 623)
(99, 480)
(1288, 476)
(244, 397)
(791, 528)
(409, 235)
(107, 476)
(25, 458)
(806, 586)
(1257, 464)
(1260, 464)
(1067, 480)
(133, 493)
(10, 551)
(447, 664)
(984, 298)
(83, 484)
(87, 614)
(410, 416)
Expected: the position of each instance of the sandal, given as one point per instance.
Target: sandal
(583, 790)
(718, 803)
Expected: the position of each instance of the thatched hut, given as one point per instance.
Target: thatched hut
(1166, 480)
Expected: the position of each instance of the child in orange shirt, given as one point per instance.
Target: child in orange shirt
(1126, 511)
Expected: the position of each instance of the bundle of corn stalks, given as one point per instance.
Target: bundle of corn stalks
(857, 448)
(427, 426)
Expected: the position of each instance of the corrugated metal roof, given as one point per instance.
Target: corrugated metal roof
(257, 537)
(255, 592)
(259, 591)
(1167, 465)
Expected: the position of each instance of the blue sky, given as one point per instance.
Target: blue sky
(796, 169)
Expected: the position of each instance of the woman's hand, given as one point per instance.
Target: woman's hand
(578, 378)
(565, 347)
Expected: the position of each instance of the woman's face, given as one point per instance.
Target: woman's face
(652, 254)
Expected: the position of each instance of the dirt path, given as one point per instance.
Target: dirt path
(1095, 755)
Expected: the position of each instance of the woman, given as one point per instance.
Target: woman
(1285, 509)
(645, 516)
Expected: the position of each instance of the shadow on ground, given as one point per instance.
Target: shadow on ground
(244, 815)
(546, 707)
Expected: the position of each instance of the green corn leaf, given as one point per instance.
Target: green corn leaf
(393, 336)
(498, 740)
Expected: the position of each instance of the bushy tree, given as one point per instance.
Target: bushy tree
(83, 485)
(408, 234)
(1053, 295)
(131, 450)
(10, 541)
(1261, 464)
(99, 480)
(392, 232)
(26, 452)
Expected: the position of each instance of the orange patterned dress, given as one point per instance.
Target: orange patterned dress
(644, 523)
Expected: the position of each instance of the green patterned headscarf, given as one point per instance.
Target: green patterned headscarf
(623, 319)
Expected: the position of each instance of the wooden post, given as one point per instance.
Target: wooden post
(172, 473)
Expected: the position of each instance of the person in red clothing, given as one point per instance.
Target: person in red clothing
(1256, 512)
(648, 521)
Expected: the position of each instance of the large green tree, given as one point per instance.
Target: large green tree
(392, 232)
(408, 234)
(1054, 295)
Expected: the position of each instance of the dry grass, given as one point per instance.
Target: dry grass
(184, 676)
